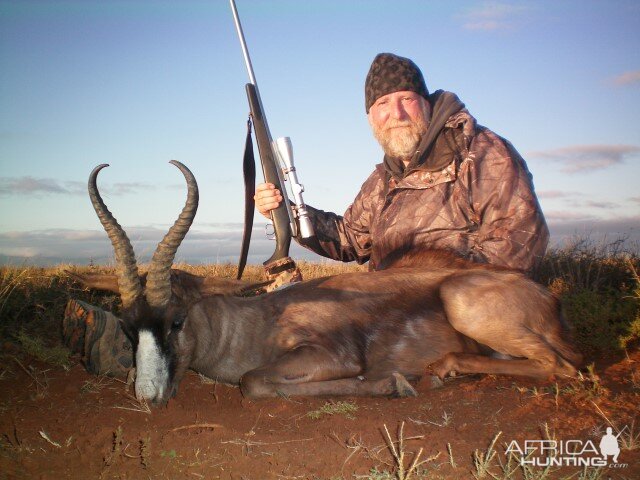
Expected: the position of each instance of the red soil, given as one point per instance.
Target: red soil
(58, 424)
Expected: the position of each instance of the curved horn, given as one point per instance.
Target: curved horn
(158, 290)
(126, 267)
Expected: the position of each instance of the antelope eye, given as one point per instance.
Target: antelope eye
(178, 322)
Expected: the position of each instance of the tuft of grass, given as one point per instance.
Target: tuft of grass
(446, 420)
(633, 330)
(145, 452)
(10, 280)
(630, 439)
(335, 408)
(399, 453)
(483, 460)
(135, 405)
(375, 474)
(169, 454)
(56, 355)
(116, 447)
(95, 384)
(586, 384)
(591, 474)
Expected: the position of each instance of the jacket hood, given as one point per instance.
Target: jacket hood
(445, 110)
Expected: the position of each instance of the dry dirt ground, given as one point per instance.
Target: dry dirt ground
(57, 424)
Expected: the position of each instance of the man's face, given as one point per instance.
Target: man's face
(399, 120)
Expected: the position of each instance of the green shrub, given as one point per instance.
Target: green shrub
(602, 321)
(599, 289)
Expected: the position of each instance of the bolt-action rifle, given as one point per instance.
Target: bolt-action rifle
(277, 159)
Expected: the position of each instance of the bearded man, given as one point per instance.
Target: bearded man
(445, 183)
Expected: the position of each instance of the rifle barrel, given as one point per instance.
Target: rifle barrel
(243, 43)
(282, 216)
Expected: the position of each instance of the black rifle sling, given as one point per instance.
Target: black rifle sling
(249, 173)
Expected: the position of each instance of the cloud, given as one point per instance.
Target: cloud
(52, 246)
(31, 186)
(627, 78)
(559, 216)
(575, 200)
(558, 194)
(37, 186)
(635, 199)
(124, 188)
(580, 158)
(81, 247)
(601, 204)
(493, 16)
(593, 228)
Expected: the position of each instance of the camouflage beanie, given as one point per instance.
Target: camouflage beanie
(390, 73)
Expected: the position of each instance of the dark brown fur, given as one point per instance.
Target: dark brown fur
(364, 333)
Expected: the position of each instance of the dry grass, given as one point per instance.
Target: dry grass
(33, 299)
(399, 453)
(256, 272)
(348, 409)
(598, 285)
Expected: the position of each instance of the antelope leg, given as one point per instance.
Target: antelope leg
(313, 371)
(470, 363)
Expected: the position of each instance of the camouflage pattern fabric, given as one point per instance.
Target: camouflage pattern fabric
(480, 205)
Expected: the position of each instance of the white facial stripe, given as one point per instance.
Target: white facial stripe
(152, 371)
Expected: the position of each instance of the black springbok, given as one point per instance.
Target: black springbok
(364, 333)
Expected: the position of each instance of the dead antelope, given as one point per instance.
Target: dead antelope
(360, 333)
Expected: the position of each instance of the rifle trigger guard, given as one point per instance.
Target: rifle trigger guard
(270, 231)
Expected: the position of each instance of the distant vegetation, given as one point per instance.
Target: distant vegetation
(598, 286)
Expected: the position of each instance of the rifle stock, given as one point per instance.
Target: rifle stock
(279, 216)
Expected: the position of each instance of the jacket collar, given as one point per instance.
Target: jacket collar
(447, 112)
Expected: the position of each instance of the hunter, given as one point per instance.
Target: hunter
(445, 183)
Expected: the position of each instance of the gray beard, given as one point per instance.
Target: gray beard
(400, 143)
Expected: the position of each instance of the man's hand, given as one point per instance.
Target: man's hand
(267, 198)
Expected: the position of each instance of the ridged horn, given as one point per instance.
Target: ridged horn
(126, 267)
(158, 289)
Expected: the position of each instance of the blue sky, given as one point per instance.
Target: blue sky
(138, 83)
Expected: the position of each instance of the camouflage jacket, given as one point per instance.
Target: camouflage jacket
(479, 203)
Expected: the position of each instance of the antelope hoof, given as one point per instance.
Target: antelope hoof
(403, 387)
(443, 368)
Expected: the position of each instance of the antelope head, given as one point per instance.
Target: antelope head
(153, 316)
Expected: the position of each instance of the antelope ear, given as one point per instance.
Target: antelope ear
(96, 281)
